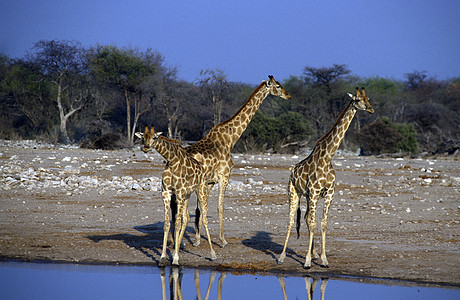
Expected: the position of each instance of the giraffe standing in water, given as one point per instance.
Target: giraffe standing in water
(314, 177)
(213, 151)
(185, 176)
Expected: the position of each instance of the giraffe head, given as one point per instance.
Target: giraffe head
(276, 89)
(149, 136)
(360, 101)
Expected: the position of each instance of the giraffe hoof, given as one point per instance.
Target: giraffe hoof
(279, 261)
(306, 267)
(163, 262)
(325, 266)
(223, 244)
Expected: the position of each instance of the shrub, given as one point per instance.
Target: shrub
(268, 132)
(383, 136)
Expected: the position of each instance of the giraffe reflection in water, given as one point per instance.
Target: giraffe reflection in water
(309, 286)
(175, 281)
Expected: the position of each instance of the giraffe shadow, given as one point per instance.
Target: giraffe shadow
(150, 243)
(262, 241)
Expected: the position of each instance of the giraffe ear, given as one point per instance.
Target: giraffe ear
(157, 134)
(139, 135)
(350, 95)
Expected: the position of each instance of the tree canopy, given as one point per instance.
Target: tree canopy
(99, 96)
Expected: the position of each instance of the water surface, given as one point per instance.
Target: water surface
(68, 281)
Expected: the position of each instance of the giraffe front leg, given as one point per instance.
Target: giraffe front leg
(327, 205)
(311, 222)
(177, 232)
(183, 218)
(164, 259)
(169, 200)
(222, 186)
(166, 195)
(181, 225)
(293, 205)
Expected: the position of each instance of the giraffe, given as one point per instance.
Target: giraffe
(314, 177)
(185, 176)
(214, 150)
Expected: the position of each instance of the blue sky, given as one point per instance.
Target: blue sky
(250, 39)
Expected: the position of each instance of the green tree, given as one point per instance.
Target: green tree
(130, 72)
(26, 101)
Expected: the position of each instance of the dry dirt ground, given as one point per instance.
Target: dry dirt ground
(395, 218)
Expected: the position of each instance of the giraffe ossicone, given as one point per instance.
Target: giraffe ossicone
(314, 178)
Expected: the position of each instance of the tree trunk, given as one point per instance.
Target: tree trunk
(137, 114)
(128, 117)
(170, 134)
(63, 137)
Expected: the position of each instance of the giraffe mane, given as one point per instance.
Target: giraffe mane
(336, 122)
(169, 140)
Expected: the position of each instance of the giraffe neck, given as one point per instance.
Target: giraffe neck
(169, 149)
(235, 126)
(330, 142)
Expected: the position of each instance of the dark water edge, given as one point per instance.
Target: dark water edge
(31, 280)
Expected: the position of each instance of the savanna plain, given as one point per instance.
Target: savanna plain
(391, 218)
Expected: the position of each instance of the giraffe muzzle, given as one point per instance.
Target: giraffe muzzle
(145, 149)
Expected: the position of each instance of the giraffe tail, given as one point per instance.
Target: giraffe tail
(297, 226)
(197, 216)
(173, 209)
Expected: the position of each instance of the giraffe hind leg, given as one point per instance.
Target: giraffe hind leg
(313, 251)
(203, 198)
(222, 186)
(311, 222)
(181, 225)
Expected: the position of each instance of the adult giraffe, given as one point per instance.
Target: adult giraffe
(214, 150)
(314, 177)
(187, 176)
